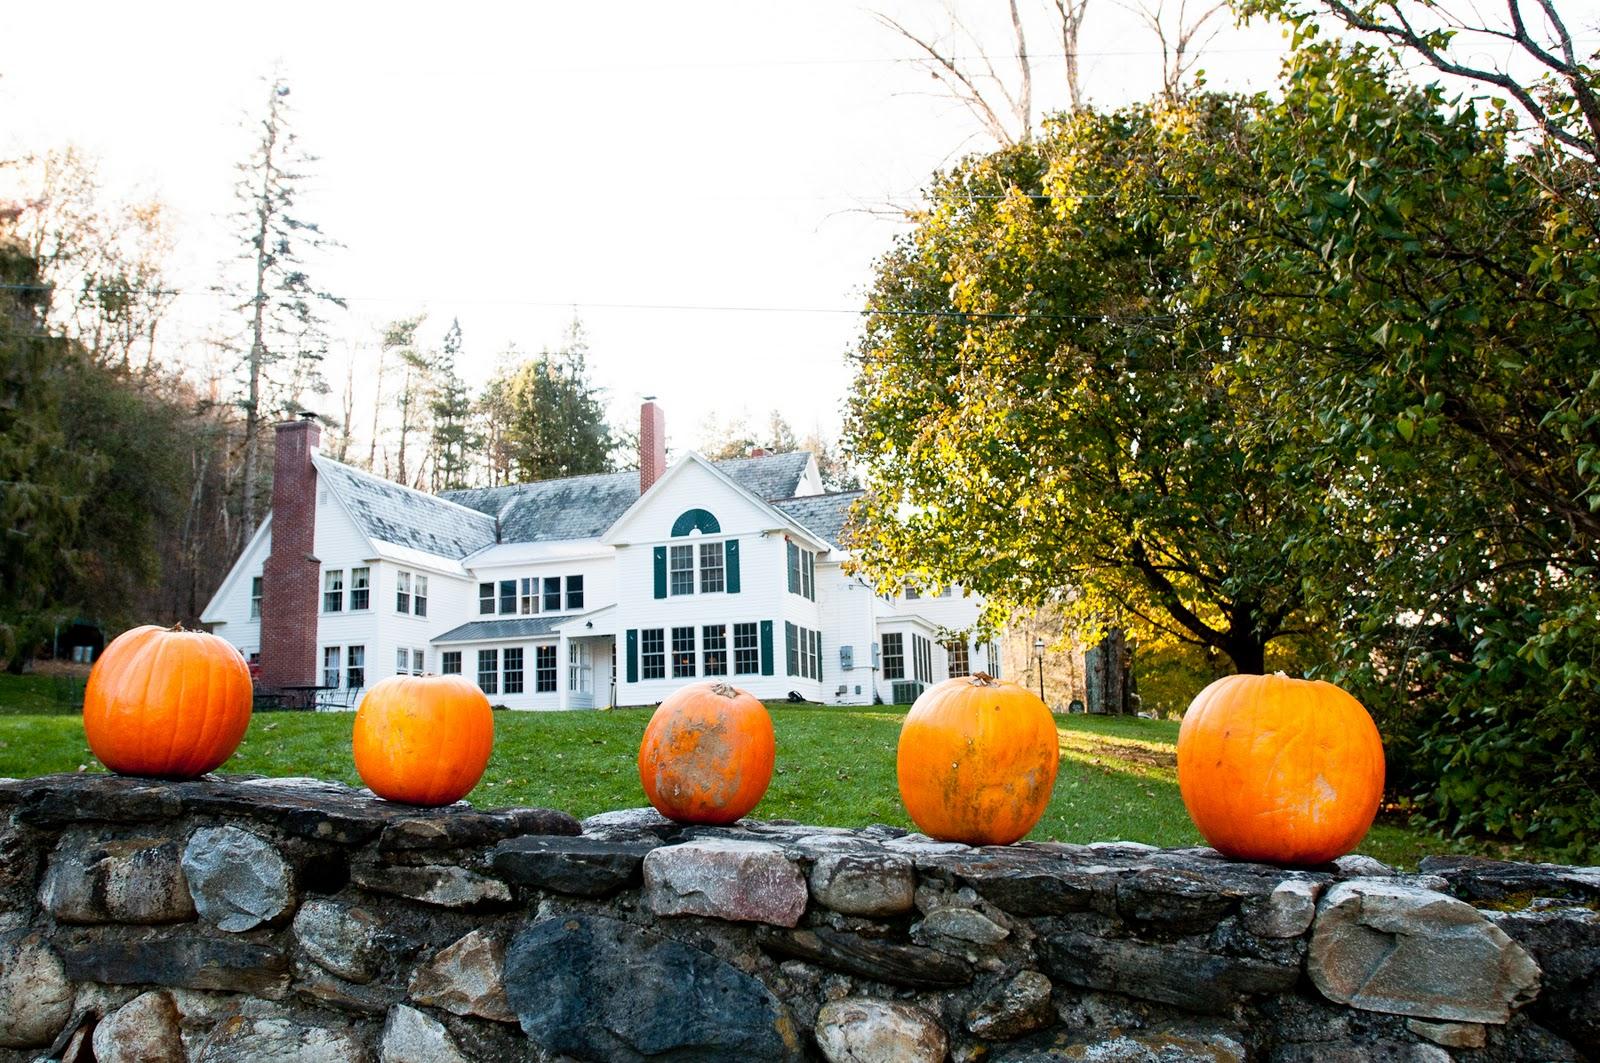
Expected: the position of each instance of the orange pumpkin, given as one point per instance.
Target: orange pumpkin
(1279, 770)
(707, 754)
(166, 702)
(423, 740)
(977, 760)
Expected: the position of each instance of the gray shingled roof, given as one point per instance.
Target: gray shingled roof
(519, 627)
(583, 507)
(404, 517)
(825, 515)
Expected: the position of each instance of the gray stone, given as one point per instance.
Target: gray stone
(314, 981)
(1286, 912)
(1355, 865)
(93, 878)
(238, 879)
(725, 879)
(409, 1036)
(461, 827)
(1020, 1006)
(171, 956)
(466, 977)
(958, 929)
(1449, 1034)
(631, 821)
(35, 996)
(920, 845)
(1173, 974)
(864, 1030)
(445, 885)
(1382, 945)
(1152, 1046)
(583, 866)
(867, 957)
(864, 883)
(343, 939)
(242, 1039)
(597, 989)
(1565, 943)
(144, 1030)
(1474, 879)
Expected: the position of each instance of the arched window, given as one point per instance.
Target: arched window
(695, 520)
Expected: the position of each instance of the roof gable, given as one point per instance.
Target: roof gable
(732, 493)
(392, 513)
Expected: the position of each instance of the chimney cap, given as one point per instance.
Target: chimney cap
(308, 415)
(649, 398)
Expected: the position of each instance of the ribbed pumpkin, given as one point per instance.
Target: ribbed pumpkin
(423, 740)
(166, 702)
(1279, 770)
(977, 760)
(707, 754)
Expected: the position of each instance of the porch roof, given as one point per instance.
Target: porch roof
(500, 630)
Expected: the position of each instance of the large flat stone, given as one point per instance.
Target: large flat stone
(238, 879)
(172, 956)
(94, 877)
(460, 827)
(864, 883)
(582, 867)
(725, 879)
(1383, 945)
(864, 1030)
(1475, 879)
(594, 988)
(1172, 974)
(35, 993)
(466, 977)
(444, 885)
(242, 1039)
(144, 1030)
(867, 957)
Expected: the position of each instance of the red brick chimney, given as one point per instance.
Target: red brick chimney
(289, 586)
(652, 444)
(758, 452)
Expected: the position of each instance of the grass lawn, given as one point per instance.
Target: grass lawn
(836, 767)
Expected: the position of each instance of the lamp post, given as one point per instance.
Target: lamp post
(1038, 650)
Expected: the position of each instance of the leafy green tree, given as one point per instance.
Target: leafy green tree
(1029, 417)
(556, 422)
(453, 437)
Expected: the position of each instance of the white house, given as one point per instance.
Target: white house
(614, 589)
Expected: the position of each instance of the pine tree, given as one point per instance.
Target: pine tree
(453, 438)
(557, 424)
(284, 336)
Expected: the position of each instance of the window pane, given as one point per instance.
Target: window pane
(330, 666)
(653, 650)
(711, 575)
(485, 598)
(682, 652)
(714, 643)
(528, 600)
(746, 649)
(419, 597)
(402, 661)
(513, 670)
(450, 662)
(552, 594)
(894, 661)
(682, 569)
(809, 573)
(418, 661)
(255, 597)
(402, 592)
(355, 661)
(791, 647)
(333, 590)
(574, 592)
(957, 649)
(508, 596)
(360, 587)
(794, 569)
(544, 663)
(489, 671)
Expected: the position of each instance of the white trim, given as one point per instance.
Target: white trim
(785, 522)
(208, 614)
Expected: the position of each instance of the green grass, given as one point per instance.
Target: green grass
(836, 767)
(36, 694)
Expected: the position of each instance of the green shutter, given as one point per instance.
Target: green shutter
(661, 572)
(633, 655)
(766, 647)
(730, 558)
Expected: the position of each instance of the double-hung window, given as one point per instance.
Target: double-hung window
(816, 654)
(355, 666)
(682, 652)
(528, 600)
(552, 594)
(402, 592)
(712, 576)
(419, 596)
(512, 670)
(959, 665)
(333, 590)
(255, 598)
(508, 596)
(485, 599)
(450, 662)
(489, 671)
(714, 649)
(574, 593)
(653, 651)
(544, 669)
(746, 649)
(680, 569)
(894, 655)
(330, 666)
(360, 588)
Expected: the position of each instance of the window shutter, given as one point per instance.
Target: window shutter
(766, 647)
(633, 655)
(730, 559)
(661, 572)
(788, 647)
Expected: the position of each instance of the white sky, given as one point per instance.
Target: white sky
(505, 163)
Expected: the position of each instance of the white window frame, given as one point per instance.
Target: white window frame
(332, 677)
(513, 674)
(546, 676)
(898, 656)
(355, 667)
(402, 592)
(256, 583)
(361, 583)
(491, 673)
(446, 659)
(419, 597)
(675, 571)
(333, 590)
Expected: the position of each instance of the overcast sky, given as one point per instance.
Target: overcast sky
(696, 179)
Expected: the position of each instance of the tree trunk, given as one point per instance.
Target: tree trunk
(1249, 656)
(1106, 672)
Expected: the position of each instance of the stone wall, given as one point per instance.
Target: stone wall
(242, 919)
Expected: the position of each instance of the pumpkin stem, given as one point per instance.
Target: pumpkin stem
(724, 690)
(983, 679)
(177, 627)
